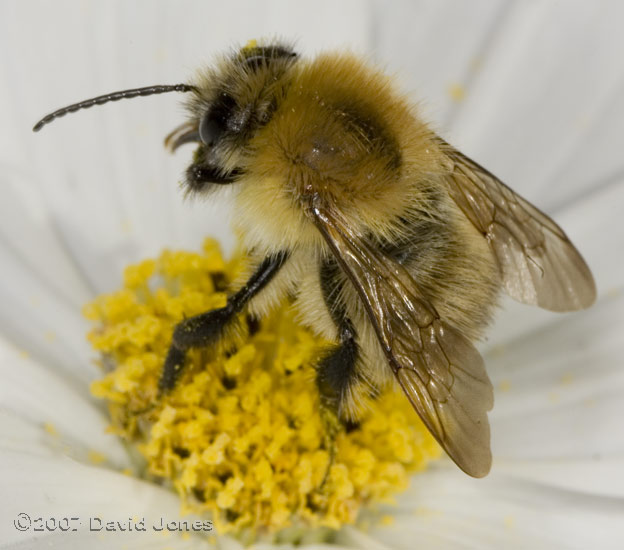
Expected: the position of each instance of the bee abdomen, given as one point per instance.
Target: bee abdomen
(452, 266)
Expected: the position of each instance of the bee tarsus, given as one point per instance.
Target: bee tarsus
(206, 328)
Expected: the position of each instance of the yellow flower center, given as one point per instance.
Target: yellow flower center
(241, 435)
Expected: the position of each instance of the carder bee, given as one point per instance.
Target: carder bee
(394, 244)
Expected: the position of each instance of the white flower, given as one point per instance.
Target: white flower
(535, 95)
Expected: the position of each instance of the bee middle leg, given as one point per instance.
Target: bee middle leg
(337, 371)
(207, 328)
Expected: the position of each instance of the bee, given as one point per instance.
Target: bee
(394, 245)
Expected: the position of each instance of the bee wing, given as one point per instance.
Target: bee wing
(538, 263)
(440, 371)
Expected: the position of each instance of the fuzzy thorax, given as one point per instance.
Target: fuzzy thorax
(339, 131)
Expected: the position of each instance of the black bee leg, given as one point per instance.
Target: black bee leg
(334, 373)
(201, 330)
(337, 370)
(207, 328)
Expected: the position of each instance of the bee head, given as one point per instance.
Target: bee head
(229, 104)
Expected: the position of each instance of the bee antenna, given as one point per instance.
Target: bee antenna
(115, 96)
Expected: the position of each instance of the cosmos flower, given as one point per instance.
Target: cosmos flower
(532, 91)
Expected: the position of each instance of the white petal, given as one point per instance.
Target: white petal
(104, 541)
(41, 409)
(304, 545)
(559, 389)
(28, 232)
(58, 487)
(550, 72)
(355, 538)
(43, 289)
(594, 476)
(415, 44)
(41, 321)
(445, 509)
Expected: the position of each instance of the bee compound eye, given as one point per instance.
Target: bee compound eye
(211, 129)
(216, 120)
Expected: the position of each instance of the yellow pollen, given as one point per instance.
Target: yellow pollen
(50, 429)
(96, 457)
(240, 437)
(251, 44)
(457, 92)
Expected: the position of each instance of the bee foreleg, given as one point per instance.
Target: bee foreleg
(206, 328)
